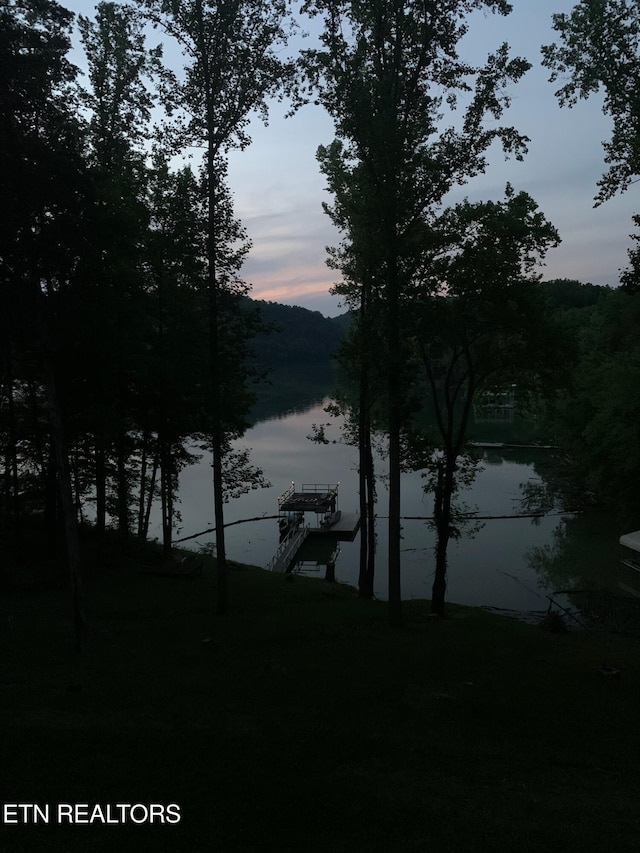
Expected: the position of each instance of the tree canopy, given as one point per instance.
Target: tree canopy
(599, 49)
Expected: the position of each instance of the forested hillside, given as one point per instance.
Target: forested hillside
(564, 294)
(296, 335)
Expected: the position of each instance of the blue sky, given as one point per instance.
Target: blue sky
(279, 190)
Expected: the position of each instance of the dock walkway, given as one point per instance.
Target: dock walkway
(287, 549)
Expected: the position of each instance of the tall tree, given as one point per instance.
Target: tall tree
(387, 72)
(358, 261)
(171, 405)
(485, 327)
(232, 68)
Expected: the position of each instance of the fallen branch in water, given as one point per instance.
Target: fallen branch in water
(404, 518)
(473, 517)
(229, 524)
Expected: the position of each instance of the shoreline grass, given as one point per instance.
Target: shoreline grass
(301, 721)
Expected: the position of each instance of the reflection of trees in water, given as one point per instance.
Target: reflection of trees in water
(582, 561)
(467, 468)
(583, 553)
(554, 491)
(558, 488)
(516, 428)
(552, 562)
(292, 388)
(537, 499)
(520, 455)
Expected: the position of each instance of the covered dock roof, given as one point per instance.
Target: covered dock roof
(314, 497)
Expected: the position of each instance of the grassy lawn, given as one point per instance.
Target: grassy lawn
(301, 722)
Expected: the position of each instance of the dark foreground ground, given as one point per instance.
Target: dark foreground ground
(302, 722)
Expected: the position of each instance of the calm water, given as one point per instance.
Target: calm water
(513, 564)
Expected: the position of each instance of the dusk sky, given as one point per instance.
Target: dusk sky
(279, 190)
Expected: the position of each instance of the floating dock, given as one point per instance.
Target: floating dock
(344, 528)
(330, 522)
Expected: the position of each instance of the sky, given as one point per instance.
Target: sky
(278, 189)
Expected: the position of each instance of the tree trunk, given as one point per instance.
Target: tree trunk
(371, 521)
(13, 483)
(364, 520)
(61, 456)
(101, 489)
(363, 578)
(394, 381)
(218, 494)
(215, 367)
(151, 490)
(52, 500)
(440, 579)
(166, 491)
(395, 536)
(77, 488)
(442, 512)
(367, 513)
(68, 507)
(38, 434)
(366, 476)
(122, 486)
(143, 483)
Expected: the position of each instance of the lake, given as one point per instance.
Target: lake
(511, 564)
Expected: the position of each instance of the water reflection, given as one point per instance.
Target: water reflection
(515, 564)
(581, 559)
(291, 388)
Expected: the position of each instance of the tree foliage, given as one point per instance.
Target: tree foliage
(483, 325)
(630, 277)
(595, 418)
(599, 49)
(232, 66)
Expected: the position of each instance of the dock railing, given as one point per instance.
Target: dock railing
(320, 488)
(286, 494)
(287, 549)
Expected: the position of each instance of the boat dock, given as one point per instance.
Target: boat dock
(330, 523)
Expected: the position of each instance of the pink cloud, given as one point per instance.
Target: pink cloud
(291, 283)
